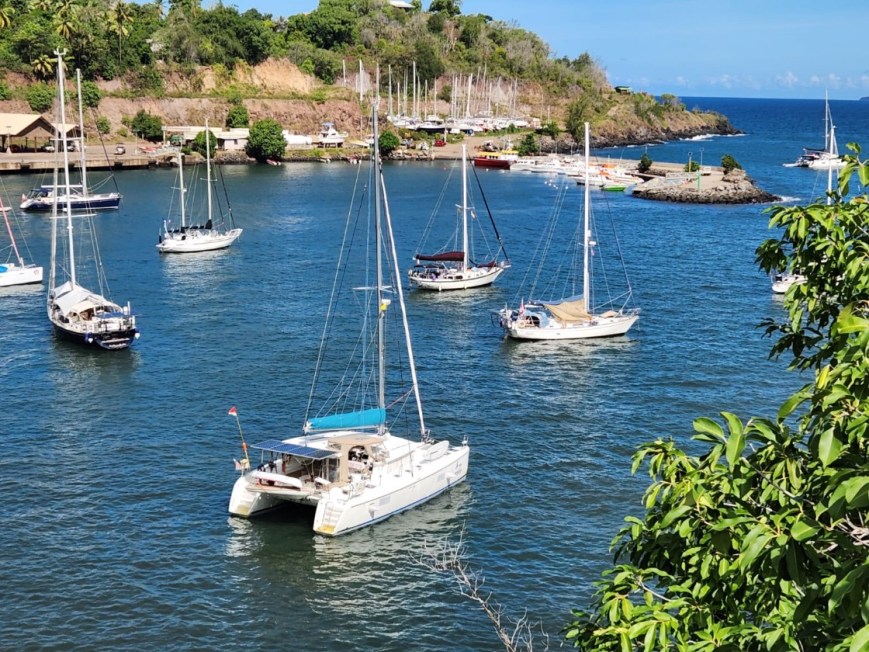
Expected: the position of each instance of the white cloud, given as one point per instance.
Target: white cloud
(788, 79)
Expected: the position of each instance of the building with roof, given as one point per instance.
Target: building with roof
(25, 131)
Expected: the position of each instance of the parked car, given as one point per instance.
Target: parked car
(120, 149)
(440, 142)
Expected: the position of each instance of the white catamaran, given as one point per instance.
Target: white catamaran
(349, 465)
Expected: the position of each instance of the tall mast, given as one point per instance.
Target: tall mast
(208, 166)
(586, 290)
(464, 207)
(84, 180)
(381, 313)
(181, 190)
(11, 237)
(68, 207)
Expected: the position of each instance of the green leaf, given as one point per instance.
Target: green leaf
(709, 427)
(857, 491)
(800, 531)
(860, 642)
(736, 441)
(791, 404)
(829, 447)
(674, 514)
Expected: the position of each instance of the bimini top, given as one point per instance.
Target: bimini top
(278, 446)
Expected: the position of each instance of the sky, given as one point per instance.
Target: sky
(690, 48)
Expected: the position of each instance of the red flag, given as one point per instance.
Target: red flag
(232, 411)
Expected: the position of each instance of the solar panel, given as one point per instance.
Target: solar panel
(278, 446)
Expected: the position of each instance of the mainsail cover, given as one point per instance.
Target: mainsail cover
(569, 310)
(451, 256)
(345, 420)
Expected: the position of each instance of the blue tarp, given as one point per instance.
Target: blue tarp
(359, 419)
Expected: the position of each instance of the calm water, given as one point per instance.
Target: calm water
(116, 468)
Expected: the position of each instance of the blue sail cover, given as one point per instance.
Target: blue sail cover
(359, 419)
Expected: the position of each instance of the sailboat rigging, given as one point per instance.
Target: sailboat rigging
(214, 234)
(576, 316)
(77, 313)
(457, 269)
(349, 463)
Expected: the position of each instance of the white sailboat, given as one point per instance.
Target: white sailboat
(186, 238)
(455, 270)
(76, 312)
(14, 271)
(828, 159)
(576, 316)
(349, 465)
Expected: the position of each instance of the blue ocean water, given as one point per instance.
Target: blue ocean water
(116, 468)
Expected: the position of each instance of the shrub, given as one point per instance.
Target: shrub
(40, 97)
(103, 125)
(266, 140)
(388, 142)
(729, 163)
(147, 126)
(237, 117)
(645, 163)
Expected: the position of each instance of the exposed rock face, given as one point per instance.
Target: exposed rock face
(735, 187)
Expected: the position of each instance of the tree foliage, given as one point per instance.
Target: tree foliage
(266, 140)
(198, 144)
(528, 146)
(645, 163)
(147, 126)
(729, 163)
(237, 116)
(388, 142)
(760, 542)
(40, 97)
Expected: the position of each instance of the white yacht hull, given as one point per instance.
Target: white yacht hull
(400, 484)
(12, 274)
(196, 240)
(473, 277)
(524, 329)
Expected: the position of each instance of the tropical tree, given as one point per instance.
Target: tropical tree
(237, 116)
(6, 13)
(266, 140)
(729, 163)
(40, 97)
(528, 146)
(120, 18)
(760, 542)
(198, 144)
(388, 142)
(147, 126)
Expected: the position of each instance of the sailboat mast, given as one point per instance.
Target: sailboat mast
(586, 290)
(68, 207)
(208, 166)
(381, 313)
(181, 188)
(464, 207)
(81, 153)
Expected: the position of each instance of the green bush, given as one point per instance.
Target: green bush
(388, 142)
(103, 125)
(645, 163)
(237, 117)
(40, 97)
(266, 140)
(729, 163)
(147, 126)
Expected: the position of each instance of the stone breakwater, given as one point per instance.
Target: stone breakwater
(734, 187)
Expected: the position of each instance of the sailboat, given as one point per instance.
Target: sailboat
(576, 316)
(822, 159)
(186, 238)
(16, 272)
(349, 464)
(455, 270)
(80, 196)
(77, 313)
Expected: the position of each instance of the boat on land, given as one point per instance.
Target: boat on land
(576, 316)
(349, 464)
(456, 269)
(78, 313)
(216, 232)
(14, 271)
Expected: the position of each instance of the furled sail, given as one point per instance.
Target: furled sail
(347, 420)
(447, 256)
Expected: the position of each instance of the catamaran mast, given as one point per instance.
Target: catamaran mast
(381, 312)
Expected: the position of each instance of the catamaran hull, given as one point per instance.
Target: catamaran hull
(195, 242)
(14, 275)
(459, 281)
(521, 329)
(339, 510)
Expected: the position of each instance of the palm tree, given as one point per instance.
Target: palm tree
(120, 17)
(43, 66)
(6, 13)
